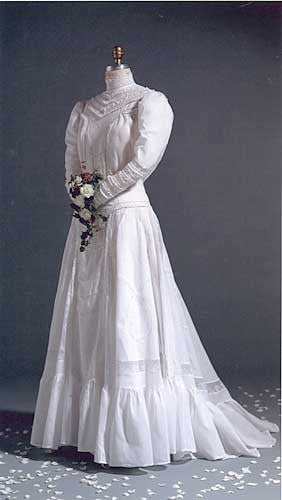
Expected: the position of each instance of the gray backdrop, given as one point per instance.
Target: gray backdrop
(216, 192)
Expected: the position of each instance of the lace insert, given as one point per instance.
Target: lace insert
(210, 387)
(141, 365)
(161, 365)
(106, 102)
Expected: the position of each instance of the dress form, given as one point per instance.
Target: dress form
(119, 75)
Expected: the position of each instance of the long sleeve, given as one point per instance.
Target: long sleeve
(72, 161)
(155, 119)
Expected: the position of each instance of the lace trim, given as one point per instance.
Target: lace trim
(153, 366)
(126, 75)
(56, 367)
(210, 387)
(141, 365)
(158, 365)
(105, 103)
(134, 367)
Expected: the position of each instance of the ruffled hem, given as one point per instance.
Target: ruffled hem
(129, 427)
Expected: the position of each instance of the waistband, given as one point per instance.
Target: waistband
(108, 208)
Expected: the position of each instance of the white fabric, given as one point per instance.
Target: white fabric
(126, 376)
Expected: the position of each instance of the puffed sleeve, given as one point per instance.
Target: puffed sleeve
(72, 161)
(155, 119)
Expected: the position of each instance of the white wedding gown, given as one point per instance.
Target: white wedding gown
(126, 376)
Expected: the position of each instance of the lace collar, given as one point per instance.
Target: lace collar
(111, 100)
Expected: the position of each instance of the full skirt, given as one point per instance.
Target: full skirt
(126, 376)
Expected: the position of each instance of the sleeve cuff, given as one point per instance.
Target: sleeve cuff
(100, 199)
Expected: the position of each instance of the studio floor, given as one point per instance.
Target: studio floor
(27, 472)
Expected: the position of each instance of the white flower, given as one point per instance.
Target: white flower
(87, 190)
(78, 180)
(85, 214)
(79, 200)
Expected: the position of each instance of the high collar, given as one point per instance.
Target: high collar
(119, 80)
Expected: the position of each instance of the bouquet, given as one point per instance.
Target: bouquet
(82, 189)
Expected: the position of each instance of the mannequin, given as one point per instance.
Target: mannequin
(119, 75)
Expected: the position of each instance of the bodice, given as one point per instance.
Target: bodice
(122, 134)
